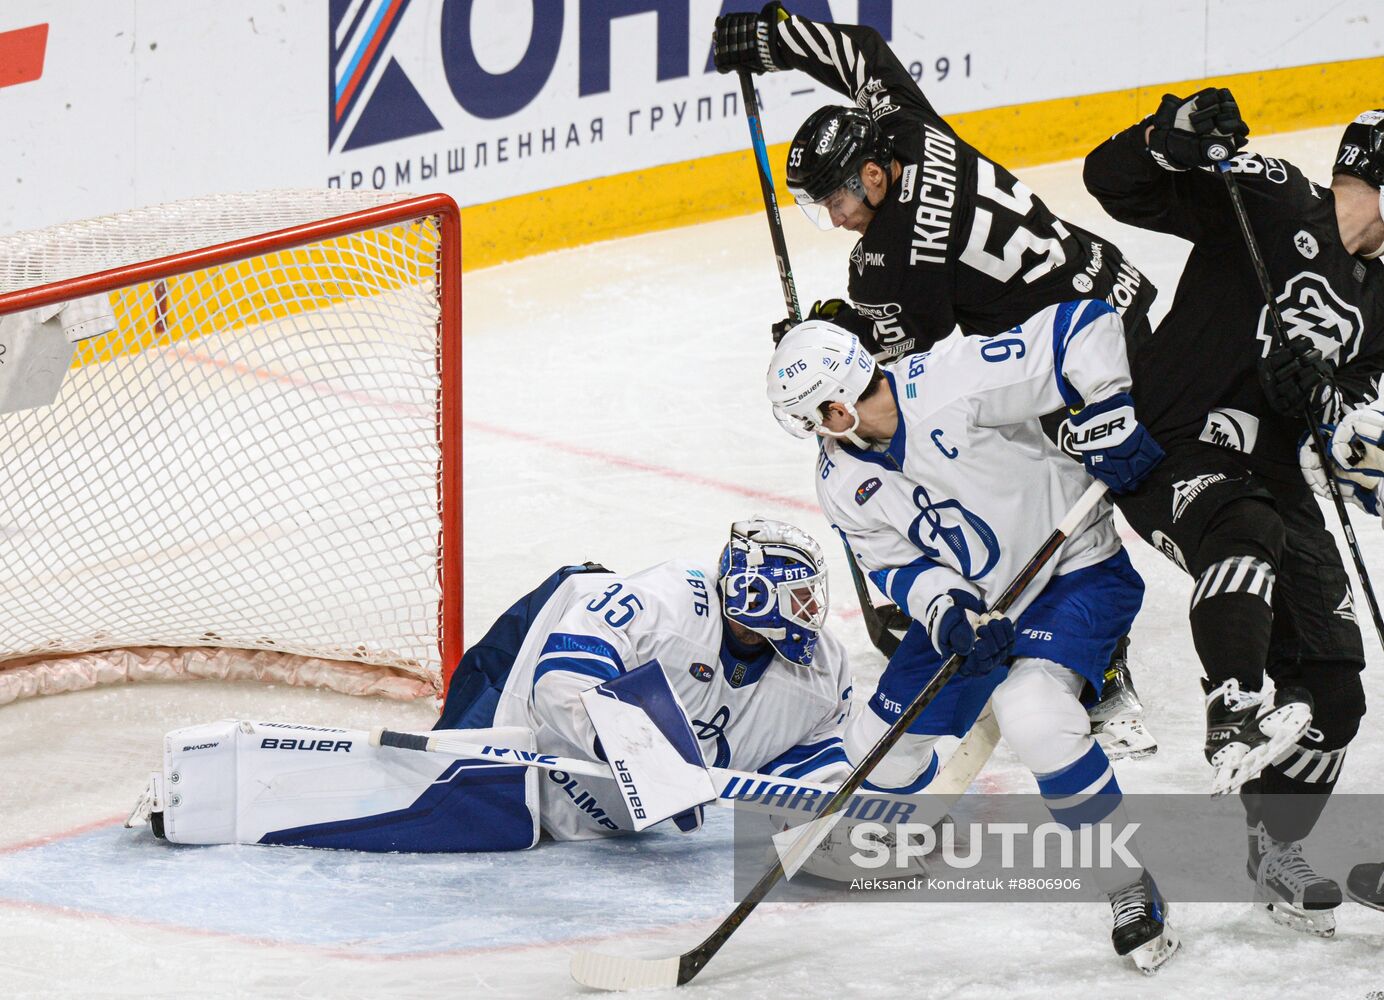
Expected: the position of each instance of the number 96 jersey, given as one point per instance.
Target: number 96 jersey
(969, 487)
(757, 714)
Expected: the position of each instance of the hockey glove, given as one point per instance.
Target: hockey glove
(745, 41)
(1197, 131)
(986, 644)
(1291, 376)
(1114, 447)
(1357, 485)
(837, 311)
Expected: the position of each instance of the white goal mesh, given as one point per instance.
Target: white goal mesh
(261, 454)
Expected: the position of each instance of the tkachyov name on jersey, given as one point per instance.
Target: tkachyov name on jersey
(936, 195)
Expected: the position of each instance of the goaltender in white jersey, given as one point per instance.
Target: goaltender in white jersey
(752, 707)
(936, 472)
(738, 647)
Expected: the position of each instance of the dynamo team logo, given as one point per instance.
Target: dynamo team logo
(370, 98)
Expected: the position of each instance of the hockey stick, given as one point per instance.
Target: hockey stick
(875, 618)
(611, 972)
(1314, 428)
(734, 789)
(766, 188)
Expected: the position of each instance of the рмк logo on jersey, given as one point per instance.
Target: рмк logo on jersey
(1311, 308)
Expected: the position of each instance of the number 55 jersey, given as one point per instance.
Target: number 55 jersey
(969, 487)
(957, 240)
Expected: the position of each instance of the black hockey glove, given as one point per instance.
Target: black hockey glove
(837, 311)
(1196, 131)
(1290, 376)
(745, 41)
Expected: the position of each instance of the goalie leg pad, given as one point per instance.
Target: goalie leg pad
(236, 782)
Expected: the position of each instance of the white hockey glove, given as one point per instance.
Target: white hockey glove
(1358, 485)
(1357, 449)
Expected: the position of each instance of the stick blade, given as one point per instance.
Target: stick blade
(618, 972)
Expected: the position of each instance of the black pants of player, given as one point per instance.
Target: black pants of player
(1271, 595)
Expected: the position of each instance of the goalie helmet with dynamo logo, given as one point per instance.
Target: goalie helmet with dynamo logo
(773, 582)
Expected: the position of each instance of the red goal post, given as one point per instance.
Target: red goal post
(245, 461)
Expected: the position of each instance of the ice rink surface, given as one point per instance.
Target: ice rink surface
(614, 411)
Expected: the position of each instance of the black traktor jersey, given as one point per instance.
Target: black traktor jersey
(958, 240)
(1196, 377)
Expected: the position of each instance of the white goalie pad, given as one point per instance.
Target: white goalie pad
(36, 348)
(234, 782)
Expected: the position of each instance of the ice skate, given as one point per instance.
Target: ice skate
(1142, 931)
(1246, 733)
(1117, 719)
(1366, 884)
(149, 807)
(1288, 888)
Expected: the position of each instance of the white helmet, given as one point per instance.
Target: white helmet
(817, 362)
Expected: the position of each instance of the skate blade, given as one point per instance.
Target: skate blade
(1125, 739)
(1373, 904)
(1319, 923)
(1119, 706)
(150, 801)
(1150, 956)
(1233, 770)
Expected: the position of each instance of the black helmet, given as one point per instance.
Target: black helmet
(1361, 153)
(831, 147)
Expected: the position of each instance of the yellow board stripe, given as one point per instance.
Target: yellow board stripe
(716, 187)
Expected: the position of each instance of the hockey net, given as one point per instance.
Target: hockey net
(252, 469)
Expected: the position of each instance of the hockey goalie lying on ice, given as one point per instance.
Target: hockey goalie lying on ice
(591, 666)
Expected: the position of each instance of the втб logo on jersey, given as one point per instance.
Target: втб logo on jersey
(1187, 490)
(1311, 308)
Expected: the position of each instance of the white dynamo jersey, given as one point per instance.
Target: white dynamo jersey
(969, 487)
(771, 715)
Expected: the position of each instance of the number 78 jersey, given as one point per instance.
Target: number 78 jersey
(969, 487)
(958, 240)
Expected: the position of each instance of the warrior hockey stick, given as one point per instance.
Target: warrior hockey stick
(878, 621)
(733, 788)
(1314, 426)
(612, 972)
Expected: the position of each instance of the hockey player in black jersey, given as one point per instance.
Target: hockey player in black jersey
(948, 237)
(1229, 504)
